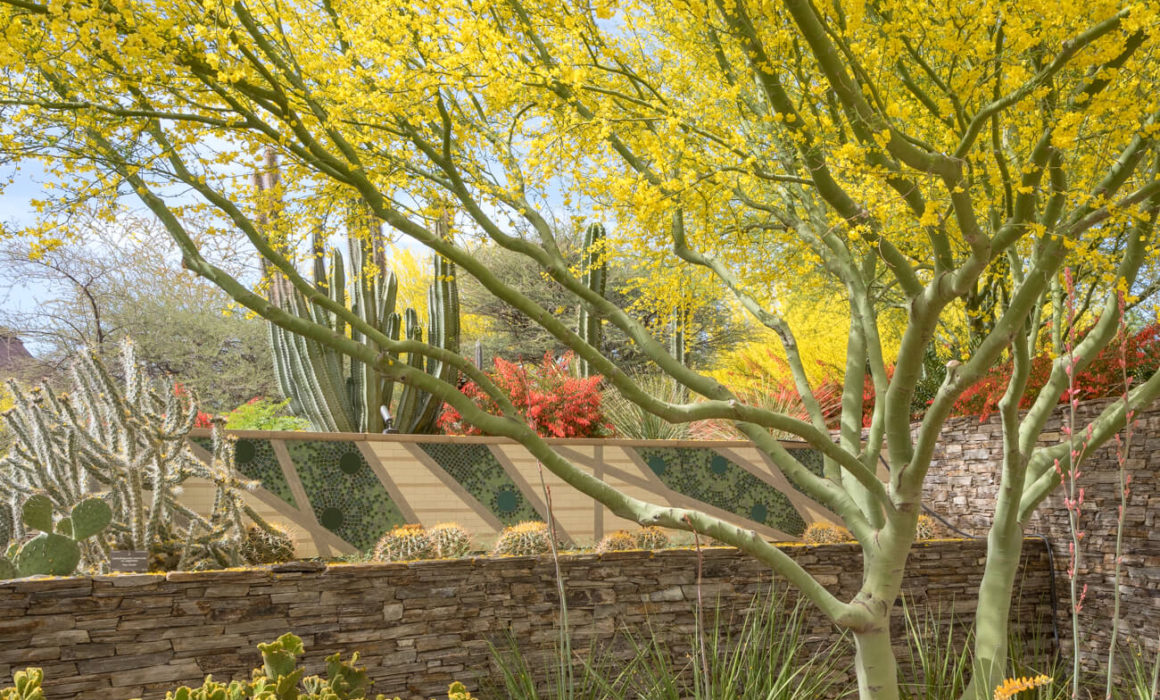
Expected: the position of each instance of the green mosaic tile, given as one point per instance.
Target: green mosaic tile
(256, 460)
(810, 458)
(346, 496)
(707, 476)
(477, 470)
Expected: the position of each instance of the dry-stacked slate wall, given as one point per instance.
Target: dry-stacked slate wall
(420, 625)
(962, 482)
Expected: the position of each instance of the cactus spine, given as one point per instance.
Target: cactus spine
(651, 538)
(335, 392)
(56, 551)
(618, 541)
(595, 277)
(404, 543)
(524, 539)
(449, 541)
(128, 439)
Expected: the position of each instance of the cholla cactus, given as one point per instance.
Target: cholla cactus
(448, 541)
(127, 438)
(404, 543)
(651, 538)
(618, 541)
(524, 539)
(823, 532)
(267, 545)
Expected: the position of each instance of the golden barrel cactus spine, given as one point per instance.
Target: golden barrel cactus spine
(524, 539)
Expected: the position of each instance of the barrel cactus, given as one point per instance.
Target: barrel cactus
(404, 543)
(524, 539)
(448, 541)
(651, 538)
(823, 532)
(267, 545)
(618, 541)
(926, 529)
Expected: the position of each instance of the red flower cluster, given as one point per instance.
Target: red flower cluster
(203, 419)
(553, 401)
(1139, 354)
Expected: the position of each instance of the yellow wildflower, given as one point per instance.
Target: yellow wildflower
(1013, 686)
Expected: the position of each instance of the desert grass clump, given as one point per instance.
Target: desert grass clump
(448, 541)
(404, 543)
(618, 541)
(823, 532)
(524, 539)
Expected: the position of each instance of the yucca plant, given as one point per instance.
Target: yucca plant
(632, 422)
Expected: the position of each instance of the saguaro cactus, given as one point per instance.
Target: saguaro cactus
(340, 394)
(595, 277)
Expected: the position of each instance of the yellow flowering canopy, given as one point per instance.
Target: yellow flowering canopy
(947, 159)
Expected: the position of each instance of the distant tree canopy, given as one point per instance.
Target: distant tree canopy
(710, 327)
(126, 281)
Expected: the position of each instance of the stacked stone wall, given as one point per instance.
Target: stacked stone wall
(420, 625)
(962, 483)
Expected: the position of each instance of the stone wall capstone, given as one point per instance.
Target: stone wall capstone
(418, 626)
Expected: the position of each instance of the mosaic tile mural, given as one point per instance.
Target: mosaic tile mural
(477, 470)
(256, 460)
(345, 495)
(708, 476)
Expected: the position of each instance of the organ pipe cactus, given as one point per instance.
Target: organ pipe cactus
(338, 393)
(595, 277)
(127, 439)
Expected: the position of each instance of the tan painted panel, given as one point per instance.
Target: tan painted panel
(574, 512)
(427, 494)
(198, 494)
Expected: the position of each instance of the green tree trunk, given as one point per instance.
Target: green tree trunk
(875, 664)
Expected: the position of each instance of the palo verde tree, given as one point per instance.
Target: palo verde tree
(945, 158)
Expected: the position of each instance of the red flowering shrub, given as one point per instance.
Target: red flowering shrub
(203, 419)
(553, 401)
(1140, 356)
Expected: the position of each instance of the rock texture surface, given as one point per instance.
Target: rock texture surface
(962, 482)
(420, 625)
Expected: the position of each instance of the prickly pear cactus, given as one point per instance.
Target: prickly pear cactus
(651, 538)
(449, 541)
(822, 532)
(37, 512)
(618, 541)
(56, 551)
(267, 545)
(7, 528)
(25, 686)
(7, 569)
(48, 554)
(524, 539)
(404, 543)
